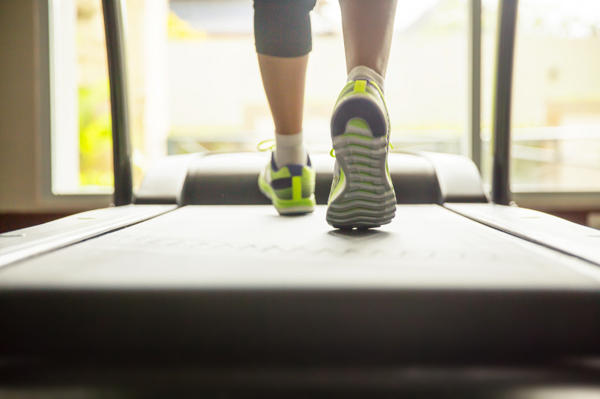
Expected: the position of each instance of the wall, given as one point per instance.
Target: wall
(24, 115)
(18, 93)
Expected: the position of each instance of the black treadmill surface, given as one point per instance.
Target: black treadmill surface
(242, 284)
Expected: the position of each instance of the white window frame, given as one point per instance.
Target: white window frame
(50, 125)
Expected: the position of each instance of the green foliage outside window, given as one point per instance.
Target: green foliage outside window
(95, 141)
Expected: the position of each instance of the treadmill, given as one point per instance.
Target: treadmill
(197, 288)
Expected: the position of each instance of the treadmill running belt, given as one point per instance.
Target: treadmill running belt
(219, 247)
(241, 282)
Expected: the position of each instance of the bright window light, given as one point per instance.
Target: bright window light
(556, 95)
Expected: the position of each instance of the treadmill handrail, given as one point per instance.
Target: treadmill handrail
(114, 30)
(507, 18)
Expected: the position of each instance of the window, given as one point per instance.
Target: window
(556, 95)
(80, 111)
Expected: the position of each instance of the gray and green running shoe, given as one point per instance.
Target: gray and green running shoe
(362, 194)
(290, 188)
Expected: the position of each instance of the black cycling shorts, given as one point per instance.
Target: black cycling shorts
(282, 27)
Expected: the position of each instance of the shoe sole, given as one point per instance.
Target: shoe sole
(288, 207)
(367, 200)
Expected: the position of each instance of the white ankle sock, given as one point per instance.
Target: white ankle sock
(289, 149)
(363, 72)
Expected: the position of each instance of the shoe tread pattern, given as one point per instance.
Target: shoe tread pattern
(368, 198)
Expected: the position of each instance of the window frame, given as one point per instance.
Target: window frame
(46, 116)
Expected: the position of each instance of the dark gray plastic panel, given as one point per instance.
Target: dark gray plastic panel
(241, 284)
(547, 230)
(20, 244)
(226, 179)
(231, 179)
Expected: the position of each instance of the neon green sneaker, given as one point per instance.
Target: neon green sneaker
(290, 188)
(362, 195)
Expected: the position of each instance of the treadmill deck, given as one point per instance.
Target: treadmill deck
(242, 285)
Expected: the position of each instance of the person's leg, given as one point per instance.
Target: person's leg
(362, 194)
(283, 41)
(368, 27)
(283, 79)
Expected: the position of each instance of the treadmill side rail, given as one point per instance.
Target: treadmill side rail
(540, 228)
(21, 244)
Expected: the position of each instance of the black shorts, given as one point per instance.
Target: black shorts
(282, 27)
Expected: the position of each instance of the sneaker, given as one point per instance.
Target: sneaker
(362, 194)
(290, 188)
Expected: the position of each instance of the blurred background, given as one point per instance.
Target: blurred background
(195, 86)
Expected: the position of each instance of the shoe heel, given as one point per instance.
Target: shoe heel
(368, 198)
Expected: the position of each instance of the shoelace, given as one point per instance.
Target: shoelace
(266, 145)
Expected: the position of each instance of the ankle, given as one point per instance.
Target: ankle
(289, 149)
(364, 72)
